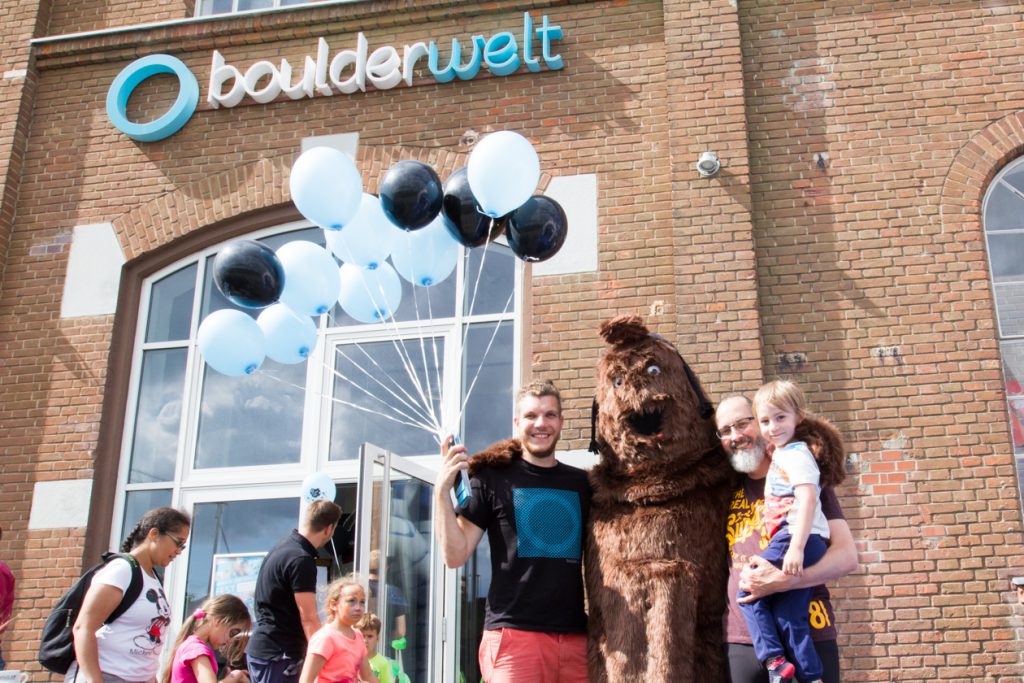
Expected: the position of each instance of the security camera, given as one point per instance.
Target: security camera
(708, 164)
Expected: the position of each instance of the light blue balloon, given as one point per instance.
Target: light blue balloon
(318, 486)
(368, 238)
(231, 342)
(311, 281)
(326, 187)
(503, 171)
(370, 295)
(427, 256)
(291, 337)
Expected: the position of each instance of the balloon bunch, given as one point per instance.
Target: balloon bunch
(415, 221)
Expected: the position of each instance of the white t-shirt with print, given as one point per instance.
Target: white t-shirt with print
(792, 465)
(130, 646)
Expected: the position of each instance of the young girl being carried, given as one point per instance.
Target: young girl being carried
(808, 455)
(221, 623)
(337, 652)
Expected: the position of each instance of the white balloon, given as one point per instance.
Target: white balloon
(311, 282)
(503, 171)
(368, 238)
(318, 486)
(326, 187)
(231, 342)
(291, 337)
(370, 295)
(427, 256)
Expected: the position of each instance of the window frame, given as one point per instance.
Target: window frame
(190, 484)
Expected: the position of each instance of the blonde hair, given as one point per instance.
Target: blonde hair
(338, 587)
(368, 622)
(784, 395)
(224, 608)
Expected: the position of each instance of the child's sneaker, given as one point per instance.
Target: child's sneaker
(780, 670)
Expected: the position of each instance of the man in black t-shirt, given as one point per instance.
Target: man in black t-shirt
(286, 614)
(742, 440)
(533, 509)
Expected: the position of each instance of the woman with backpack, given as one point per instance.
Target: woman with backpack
(128, 648)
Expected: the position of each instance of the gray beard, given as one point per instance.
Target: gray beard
(747, 460)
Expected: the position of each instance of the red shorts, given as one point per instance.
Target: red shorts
(514, 656)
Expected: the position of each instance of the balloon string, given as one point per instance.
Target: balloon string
(410, 403)
(341, 401)
(479, 367)
(463, 334)
(421, 336)
(403, 355)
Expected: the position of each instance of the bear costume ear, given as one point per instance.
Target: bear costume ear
(625, 329)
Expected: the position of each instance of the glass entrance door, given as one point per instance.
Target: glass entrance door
(396, 553)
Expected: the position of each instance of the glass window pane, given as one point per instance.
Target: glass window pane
(170, 306)
(404, 604)
(242, 526)
(1004, 209)
(208, 7)
(244, 5)
(489, 292)
(1007, 254)
(1013, 368)
(1017, 424)
(158, 417)
(488, 413)
(394, 408)
(137, 503)
(1010, 309)
(251, 420)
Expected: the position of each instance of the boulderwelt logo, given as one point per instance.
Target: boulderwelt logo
(323, 75)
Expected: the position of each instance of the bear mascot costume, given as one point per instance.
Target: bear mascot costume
(656, 555)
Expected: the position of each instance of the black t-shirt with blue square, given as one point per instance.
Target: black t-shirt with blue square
(534, 519)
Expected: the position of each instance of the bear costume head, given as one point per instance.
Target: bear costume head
(651, 414)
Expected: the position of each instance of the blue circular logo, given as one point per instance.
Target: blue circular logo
(129, 79)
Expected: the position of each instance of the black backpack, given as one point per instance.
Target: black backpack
(57, 644)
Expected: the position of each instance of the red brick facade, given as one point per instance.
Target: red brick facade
(841, 245)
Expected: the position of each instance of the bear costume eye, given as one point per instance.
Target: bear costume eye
(653, 370)
(617, 381)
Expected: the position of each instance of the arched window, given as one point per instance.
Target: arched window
(234, 451)
(1003, 216)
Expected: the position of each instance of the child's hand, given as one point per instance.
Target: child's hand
(238, 676)
(793, 562)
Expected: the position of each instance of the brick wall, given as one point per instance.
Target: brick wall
(875, 296)
(840, 245)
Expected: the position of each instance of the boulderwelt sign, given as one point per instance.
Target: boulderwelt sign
(328, 73)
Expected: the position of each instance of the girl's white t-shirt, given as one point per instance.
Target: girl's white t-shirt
(130, 646)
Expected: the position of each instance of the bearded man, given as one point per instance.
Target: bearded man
(741, 438)
(533, 509)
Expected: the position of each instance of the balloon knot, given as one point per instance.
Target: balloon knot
(320, 310)
(304, 352)
(249, 369)
(372, 266)
(426, 282)
(335, 226)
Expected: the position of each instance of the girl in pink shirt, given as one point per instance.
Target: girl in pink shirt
(337, 652)
(223, 623)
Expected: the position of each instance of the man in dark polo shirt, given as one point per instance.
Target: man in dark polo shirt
(286, 614)
(741, 438)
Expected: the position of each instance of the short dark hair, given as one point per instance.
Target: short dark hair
(165, 520)
(538, 389)
(321, 514)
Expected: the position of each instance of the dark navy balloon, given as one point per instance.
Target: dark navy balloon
(410, 194)
(537, 229)
(463, 218)
(248, 273)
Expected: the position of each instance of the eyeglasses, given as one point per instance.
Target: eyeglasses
(739, 425)
(177, 541)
